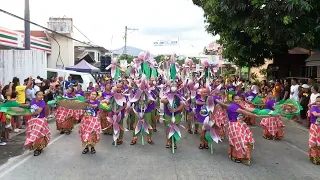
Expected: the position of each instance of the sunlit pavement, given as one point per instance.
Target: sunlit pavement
(271, 160)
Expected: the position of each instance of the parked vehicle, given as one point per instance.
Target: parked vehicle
(83, 78)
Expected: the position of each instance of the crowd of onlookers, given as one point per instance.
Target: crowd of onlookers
(23, 93)
(305, 91)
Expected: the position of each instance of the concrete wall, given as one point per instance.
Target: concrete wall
(66, 52)
(22, 64)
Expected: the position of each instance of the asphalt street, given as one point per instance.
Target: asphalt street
(62, 159)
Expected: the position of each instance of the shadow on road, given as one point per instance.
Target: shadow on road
(13, 148)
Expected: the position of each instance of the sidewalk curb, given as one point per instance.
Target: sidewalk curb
(13, 134)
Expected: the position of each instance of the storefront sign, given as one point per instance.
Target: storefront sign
(16, 40)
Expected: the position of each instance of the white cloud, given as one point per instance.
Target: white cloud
(103, 21)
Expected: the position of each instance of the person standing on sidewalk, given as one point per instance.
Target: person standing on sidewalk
(2, 125)
(294, 90)
(21, 98)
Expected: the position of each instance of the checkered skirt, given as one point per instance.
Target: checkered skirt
(239, 135)
(272, 124)
(37, 128)
(90, 125)
(314, 135)
(63, 113)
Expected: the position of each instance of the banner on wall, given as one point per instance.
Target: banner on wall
(15, 39)
(214, 59)
(169, 42)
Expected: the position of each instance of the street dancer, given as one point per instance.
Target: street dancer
(314, 133)
(90, 127)
(103, 114)
(201, 113)
(144, 104)
(118, 105)
(38, 132)
(273, 127)
(239, 134)
(173, 106)
(154, 112)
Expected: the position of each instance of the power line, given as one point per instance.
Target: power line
(84, 35)
(81, 33)
(18, 17)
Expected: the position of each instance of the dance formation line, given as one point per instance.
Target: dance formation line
(212, 109)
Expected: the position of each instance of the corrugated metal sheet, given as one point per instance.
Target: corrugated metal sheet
(22, 64)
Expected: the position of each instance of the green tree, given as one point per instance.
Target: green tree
(127, 57)
(159, 58)
(252, 30)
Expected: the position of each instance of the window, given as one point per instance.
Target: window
(51, 74)
(77, 77)
(98, 57)
(92, 54)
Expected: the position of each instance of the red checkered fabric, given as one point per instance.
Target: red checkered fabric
(62, 113)
(78, 113)
(239, 135)
(220, 117)
(314, 135)
(248, 105)
(88, 125)
(37, 128)
(272, 124)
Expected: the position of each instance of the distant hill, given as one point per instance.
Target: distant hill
(133, 51)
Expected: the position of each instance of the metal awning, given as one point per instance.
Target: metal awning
(314, 59)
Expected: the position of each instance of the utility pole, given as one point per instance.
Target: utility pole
(27, 42)
(126, 37)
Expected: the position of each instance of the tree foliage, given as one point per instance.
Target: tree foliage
(127, 57)
(161, 58)
(252, 30)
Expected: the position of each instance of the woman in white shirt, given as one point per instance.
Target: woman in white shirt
(314, 94)
(294, 90)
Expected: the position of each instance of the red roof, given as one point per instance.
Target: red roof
(39, 34)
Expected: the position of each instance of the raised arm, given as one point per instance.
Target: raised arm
(244, 112)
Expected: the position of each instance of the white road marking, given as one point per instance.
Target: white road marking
(16, 162)
(297, 148)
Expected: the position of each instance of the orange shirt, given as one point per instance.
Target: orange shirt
(276, 91)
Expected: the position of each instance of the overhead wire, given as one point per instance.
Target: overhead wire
(81, 32)
(55, 32)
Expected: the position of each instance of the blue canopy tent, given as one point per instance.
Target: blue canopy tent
(83, 66)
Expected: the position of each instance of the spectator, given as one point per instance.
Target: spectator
(285, 92)
(58, 90)
(304, 101)
(276, 91)
(30, 92)
(37, 85)
(68, 83)
(255, 88)
(2, 128)
(20, 98)
(294, 89)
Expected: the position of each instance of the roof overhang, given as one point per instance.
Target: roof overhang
(314, 59)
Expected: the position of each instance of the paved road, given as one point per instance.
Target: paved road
(62, 160)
